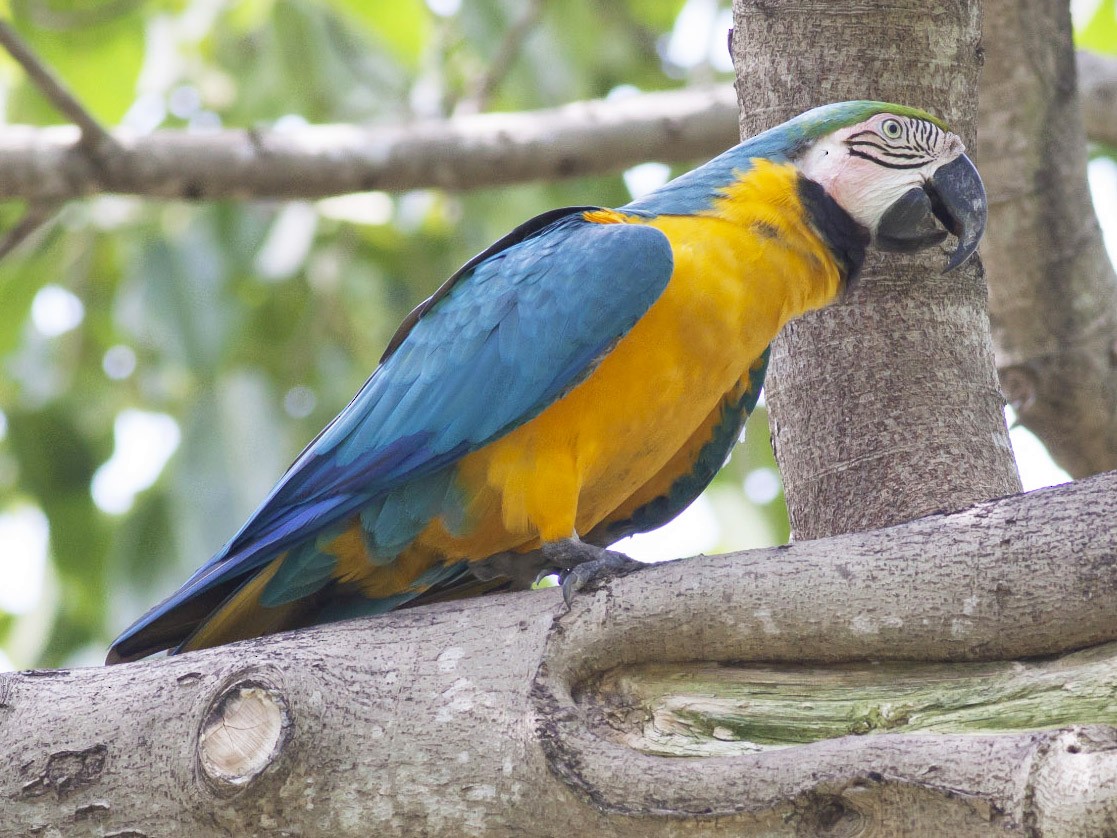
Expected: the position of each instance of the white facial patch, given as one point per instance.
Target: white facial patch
(868, 166)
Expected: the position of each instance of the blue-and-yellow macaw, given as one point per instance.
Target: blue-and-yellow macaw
(580, 380)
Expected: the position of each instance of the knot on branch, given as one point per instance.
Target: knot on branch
(829, 816)
(242, 733)
(1071, 788)
(67, 771)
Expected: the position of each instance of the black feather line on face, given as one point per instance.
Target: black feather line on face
(926, 135)
(856, 153)
(891, 152)
(871, 134)
(916, 143)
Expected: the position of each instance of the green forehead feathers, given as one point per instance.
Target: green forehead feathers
(915, 113)
(823, 120)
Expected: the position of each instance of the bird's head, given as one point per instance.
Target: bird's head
(894, 170)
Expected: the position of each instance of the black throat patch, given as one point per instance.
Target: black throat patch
(845, 238)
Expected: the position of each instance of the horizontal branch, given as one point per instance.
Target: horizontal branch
(480, 717)
(466, 152)
(314, 161)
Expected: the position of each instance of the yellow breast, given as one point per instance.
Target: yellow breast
(741, 271)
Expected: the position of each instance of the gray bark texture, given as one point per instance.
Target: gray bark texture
(498, 716)
(1053, 292)
(886, 406)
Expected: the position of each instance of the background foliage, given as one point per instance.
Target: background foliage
(226, 335)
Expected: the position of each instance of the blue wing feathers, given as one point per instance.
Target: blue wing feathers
(405, 511)
(306, 569)
(518, 328)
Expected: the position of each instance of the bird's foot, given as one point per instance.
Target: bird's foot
(586, 567)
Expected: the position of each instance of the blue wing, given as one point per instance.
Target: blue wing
(511, 332)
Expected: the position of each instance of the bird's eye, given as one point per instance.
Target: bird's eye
(891, 129)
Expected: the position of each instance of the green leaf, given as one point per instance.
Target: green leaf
(1100, 32)
(402, 25)
(97, 53)
(143, 550)
(176, 295)
(334, 72)
(21, 276)
(55, 459)
(659, 15)
(231, 453)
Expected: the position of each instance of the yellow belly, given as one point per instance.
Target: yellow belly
(740, 273)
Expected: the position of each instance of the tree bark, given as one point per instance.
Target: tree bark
(1053, 291)
(886, 406)
(496, 715)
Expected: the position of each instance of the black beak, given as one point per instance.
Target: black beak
(955, 196)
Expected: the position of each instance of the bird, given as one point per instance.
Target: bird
(580, 380)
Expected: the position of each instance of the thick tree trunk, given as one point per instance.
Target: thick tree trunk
(886, 406)
(503, 715)
(1053, 292)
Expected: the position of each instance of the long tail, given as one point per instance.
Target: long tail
(234, 611)
(224, 614)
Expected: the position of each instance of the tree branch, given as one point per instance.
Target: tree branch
(487, 715)
(33, 219)
(321, 160)
(502, 60)
(594, 137)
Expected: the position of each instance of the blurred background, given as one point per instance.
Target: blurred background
(162, 363)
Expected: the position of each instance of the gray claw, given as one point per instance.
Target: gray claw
(594, 573)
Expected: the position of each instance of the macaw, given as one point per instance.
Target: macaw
(580, 380)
